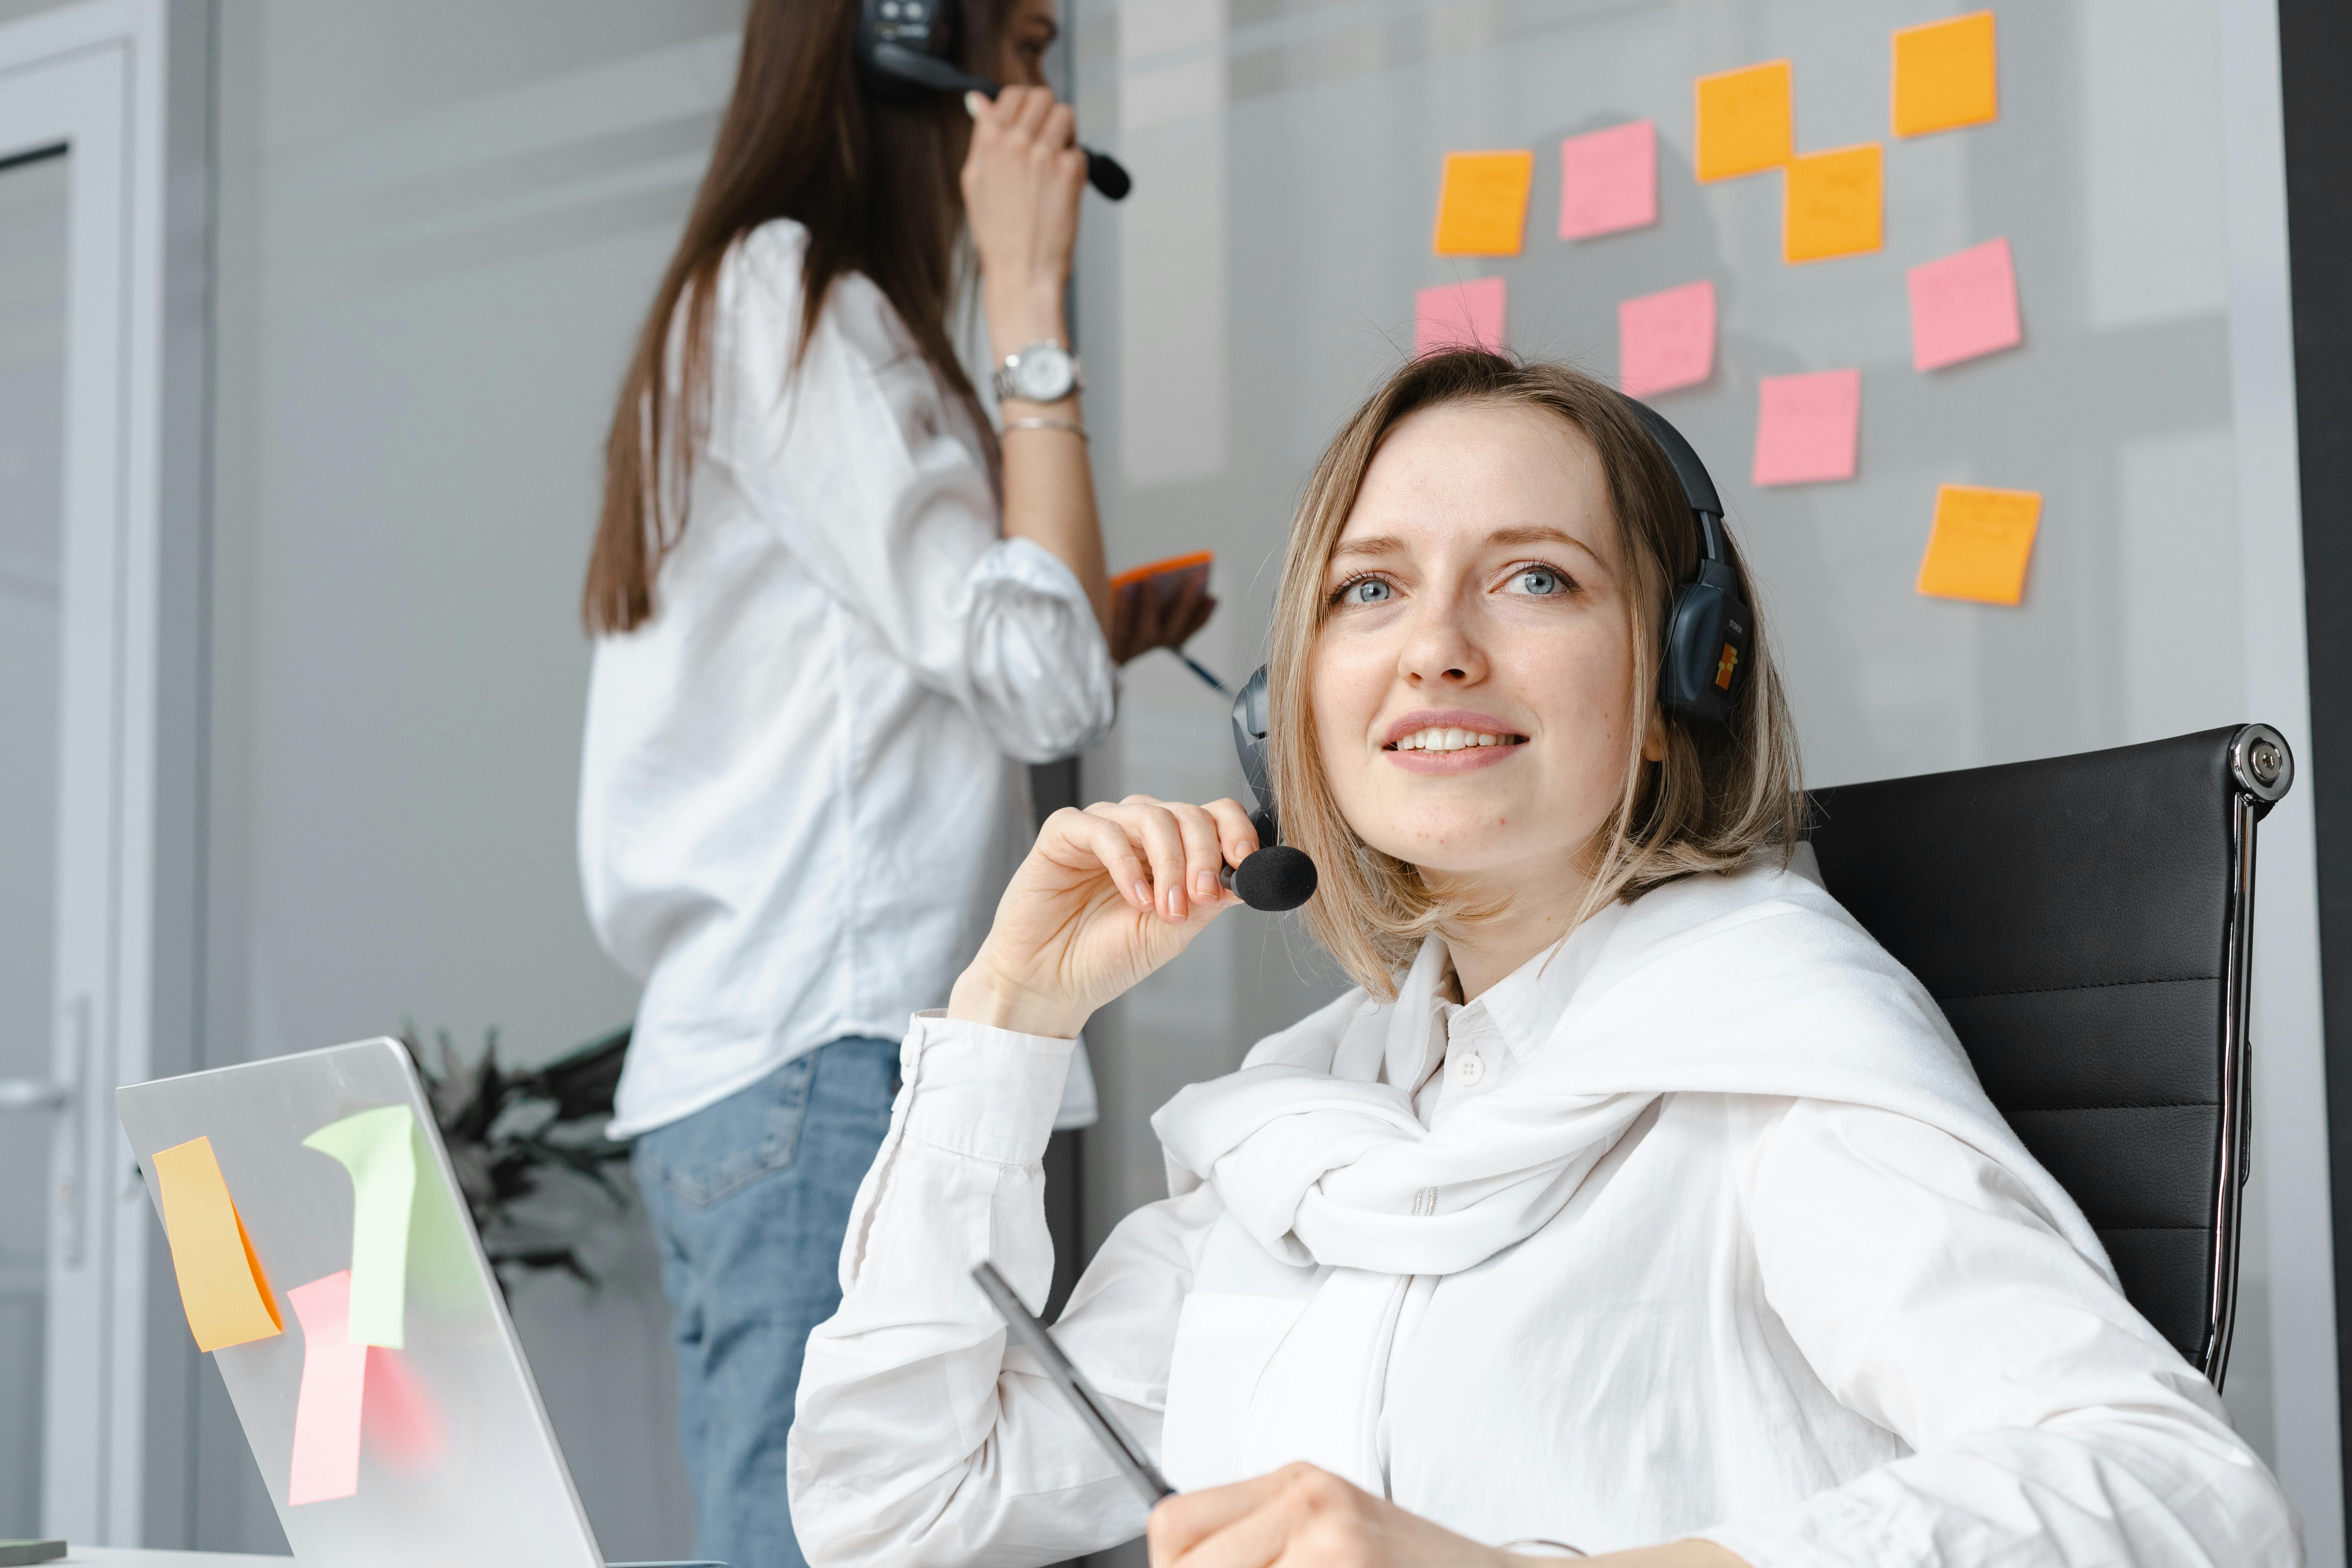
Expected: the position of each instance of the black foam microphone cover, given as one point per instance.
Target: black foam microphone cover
(1275, 878)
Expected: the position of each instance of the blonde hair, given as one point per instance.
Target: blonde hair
(1725, 796)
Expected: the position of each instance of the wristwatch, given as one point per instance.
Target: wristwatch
(1044, 372)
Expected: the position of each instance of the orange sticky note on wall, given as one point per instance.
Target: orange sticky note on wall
(222, 1286)
(1832, 203)
(1745, 123)
(1980, 543)
(1482, 203)
(1946, 75)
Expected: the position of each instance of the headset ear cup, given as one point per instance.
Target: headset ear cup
(1692, 637)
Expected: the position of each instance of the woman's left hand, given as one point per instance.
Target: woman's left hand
(1302, 1517)
(1142, 619)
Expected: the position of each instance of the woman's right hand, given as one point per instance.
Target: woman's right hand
(1022, 181)
(1107, 896)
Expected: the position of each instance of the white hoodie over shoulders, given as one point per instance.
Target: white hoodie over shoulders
(803, 786)
(1699, 1225)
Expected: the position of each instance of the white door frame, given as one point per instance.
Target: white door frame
(125, 84)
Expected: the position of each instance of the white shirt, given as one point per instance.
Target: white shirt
(1852, 1324)
(803, 788)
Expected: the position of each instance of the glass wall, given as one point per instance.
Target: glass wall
(1262, 278)
(438, 225)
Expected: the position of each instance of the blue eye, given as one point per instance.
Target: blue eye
(1366, 591)
(1541, 580)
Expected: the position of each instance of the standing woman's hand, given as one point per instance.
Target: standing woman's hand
(1107, 896)
(1022, 181)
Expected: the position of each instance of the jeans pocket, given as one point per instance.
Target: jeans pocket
(723, 1148)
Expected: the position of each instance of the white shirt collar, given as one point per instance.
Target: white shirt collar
(1523, 1005)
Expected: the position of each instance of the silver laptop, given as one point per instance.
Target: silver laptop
(475, 1476)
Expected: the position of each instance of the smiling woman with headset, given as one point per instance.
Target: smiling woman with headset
(1636, 1202)
(835, 616)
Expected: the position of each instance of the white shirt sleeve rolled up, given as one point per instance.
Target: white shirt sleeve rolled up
(854, 459)
(920, 1441)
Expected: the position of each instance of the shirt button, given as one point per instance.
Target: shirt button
(1468, 1070)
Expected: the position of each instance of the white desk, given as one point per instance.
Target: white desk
(126, 1557)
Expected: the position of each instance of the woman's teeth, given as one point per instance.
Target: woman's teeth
(1451, 741)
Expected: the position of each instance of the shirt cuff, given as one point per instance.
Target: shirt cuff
(988, 1094)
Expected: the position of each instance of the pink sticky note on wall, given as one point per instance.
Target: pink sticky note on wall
(327, 1408)
(1963, 305)
(1458, 315)
(1608, 180)
(1666, 339)
(1806, 426)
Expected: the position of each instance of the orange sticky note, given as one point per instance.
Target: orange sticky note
(1482, 204)
(1745, 123)
(327, 1403)
(1980, 543)
(1946, 75)
(1831, 204)
(223, 1289)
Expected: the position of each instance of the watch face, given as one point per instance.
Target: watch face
(1043, 375)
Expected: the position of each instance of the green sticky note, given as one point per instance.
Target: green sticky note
(378, 1147)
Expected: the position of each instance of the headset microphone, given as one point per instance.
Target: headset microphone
(908, 44)
(1278, 876)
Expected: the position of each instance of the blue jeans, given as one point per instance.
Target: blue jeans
(750, 1199)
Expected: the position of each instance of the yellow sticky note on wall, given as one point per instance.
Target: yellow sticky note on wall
(1831, 204)
(1980, 543)
(1745, 123)
(1946, 75)
(1482, 204)
(222, 1286)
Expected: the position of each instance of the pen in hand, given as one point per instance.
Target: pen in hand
(1093, 1414)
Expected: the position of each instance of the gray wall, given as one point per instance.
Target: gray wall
(438, 224)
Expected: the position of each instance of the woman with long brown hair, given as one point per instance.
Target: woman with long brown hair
(835, 616)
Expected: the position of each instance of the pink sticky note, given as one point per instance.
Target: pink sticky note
(1963, 305)
(327, 1408)
(1608, 180)
(1459, 316)
(1665, 340)
(1806, 426)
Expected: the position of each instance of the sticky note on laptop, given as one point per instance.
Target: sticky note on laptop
(327, 1405)
(1980, 543)
(378, 1147)
(1481, 202)
(1465, 315)
(223, 1287)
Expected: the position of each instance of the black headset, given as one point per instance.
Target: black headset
(908, 48)
(1701, 671)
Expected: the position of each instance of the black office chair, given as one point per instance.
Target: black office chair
(2085, 923)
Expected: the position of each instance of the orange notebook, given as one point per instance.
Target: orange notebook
(1176, 568)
